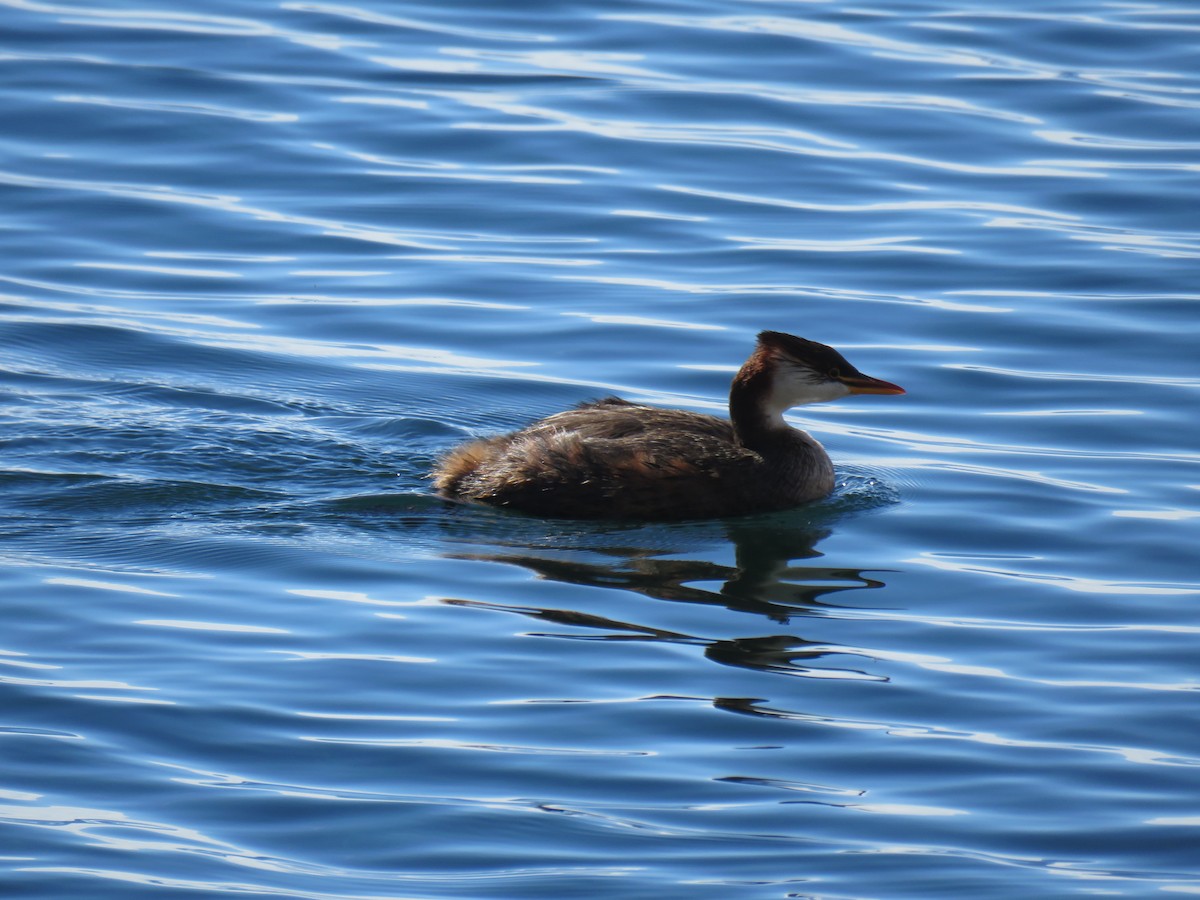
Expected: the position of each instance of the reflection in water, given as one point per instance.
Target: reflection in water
(783, 654)
(763, 581)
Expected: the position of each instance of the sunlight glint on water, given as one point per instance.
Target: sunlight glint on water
(263, 265)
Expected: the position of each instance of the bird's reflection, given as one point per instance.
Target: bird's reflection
(764, 580)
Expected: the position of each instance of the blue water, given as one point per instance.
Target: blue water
(261, 264)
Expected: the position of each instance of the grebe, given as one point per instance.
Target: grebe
(612, 459)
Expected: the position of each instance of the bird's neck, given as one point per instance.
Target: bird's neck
(757, 421)
(802, 469)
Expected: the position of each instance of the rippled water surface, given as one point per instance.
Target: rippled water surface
(263, 263)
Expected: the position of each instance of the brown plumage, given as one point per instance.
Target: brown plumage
(612, 459)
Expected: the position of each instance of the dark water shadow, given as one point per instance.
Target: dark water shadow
(775, 576)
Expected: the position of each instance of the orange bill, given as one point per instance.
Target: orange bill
(865, 384)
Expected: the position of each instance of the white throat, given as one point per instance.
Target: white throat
(790, 387)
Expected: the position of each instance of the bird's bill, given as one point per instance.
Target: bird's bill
(865, 384)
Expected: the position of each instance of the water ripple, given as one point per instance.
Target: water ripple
(265, 264)
(183, 109)
(375, 17)
(1060, 580)
(228, 204)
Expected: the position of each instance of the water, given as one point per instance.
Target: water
(262, 264)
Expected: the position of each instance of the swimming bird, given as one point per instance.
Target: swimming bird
(612, 459)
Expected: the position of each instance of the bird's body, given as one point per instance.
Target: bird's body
(612, 459)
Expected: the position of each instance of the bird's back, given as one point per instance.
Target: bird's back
(614, 459)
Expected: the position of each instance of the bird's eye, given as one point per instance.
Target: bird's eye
(835, 372)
